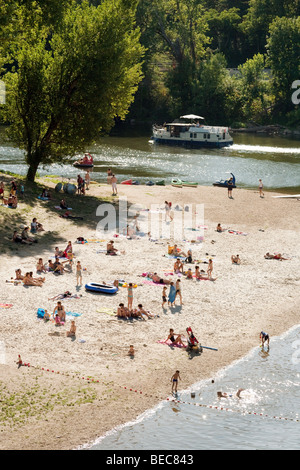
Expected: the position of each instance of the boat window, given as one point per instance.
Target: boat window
(195, 136)
(208, 136)
(191, 135)
(224, 135)
(204, 136)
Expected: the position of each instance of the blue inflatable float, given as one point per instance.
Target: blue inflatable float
(101, 288)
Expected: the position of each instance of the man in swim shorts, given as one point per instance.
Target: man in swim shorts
(174, 381)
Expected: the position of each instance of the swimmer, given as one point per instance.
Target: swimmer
(227, 395)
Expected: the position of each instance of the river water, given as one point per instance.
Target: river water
(271, 380)
(274, 159)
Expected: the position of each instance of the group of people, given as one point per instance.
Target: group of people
(12, 199)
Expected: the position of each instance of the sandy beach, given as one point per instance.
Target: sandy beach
(75, 390)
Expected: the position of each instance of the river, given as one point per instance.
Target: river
(276, 160)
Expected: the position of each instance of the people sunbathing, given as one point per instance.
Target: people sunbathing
(110, 249)
(36, 226)
(17, 238)
(19, 276)
(59, 310)
(236, 259)
(28, 280)
(40, 267)
(172, 339)
(157, 279)
(25, 236)
(275, 256)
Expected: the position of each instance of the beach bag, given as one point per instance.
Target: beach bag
(170, 250)
(41, 313)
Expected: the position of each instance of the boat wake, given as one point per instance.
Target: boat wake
(263, 149)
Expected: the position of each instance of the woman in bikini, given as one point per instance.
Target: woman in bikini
(60, 311)
(171, 337)
(130, 295)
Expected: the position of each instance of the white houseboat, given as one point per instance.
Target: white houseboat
(189, 132)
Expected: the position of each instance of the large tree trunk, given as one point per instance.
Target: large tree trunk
(34, 161)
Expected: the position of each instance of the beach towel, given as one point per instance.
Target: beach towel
(108, 311)
(6, 305)
(60, 209)
(172, 294)
(149, 282)
(236, 232)
(175, 256)
(168, 343)
(73, 314)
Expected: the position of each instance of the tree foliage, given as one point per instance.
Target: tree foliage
(70, 82)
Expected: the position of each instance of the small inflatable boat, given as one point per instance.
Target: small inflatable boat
(101, 288)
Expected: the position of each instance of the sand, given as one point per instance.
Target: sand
(86, 390)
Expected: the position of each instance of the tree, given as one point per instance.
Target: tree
(254, 87)
(283, 47)
(260, 15)
(71, 81)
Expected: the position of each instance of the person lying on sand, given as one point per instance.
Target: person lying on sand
(276, 256)
(227, 395)
(30, 281)
(235, 259)
(157, 279)
(171, 337)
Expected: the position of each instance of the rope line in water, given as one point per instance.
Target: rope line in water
(200, 405)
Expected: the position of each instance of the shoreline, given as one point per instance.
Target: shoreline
(228, 313)
(194, 387)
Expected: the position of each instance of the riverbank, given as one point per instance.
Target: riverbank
(62, 409)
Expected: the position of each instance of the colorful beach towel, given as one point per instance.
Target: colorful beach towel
(236, 232)
(73, 314)
(168, 343)
(6, 305)
(108, 311)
